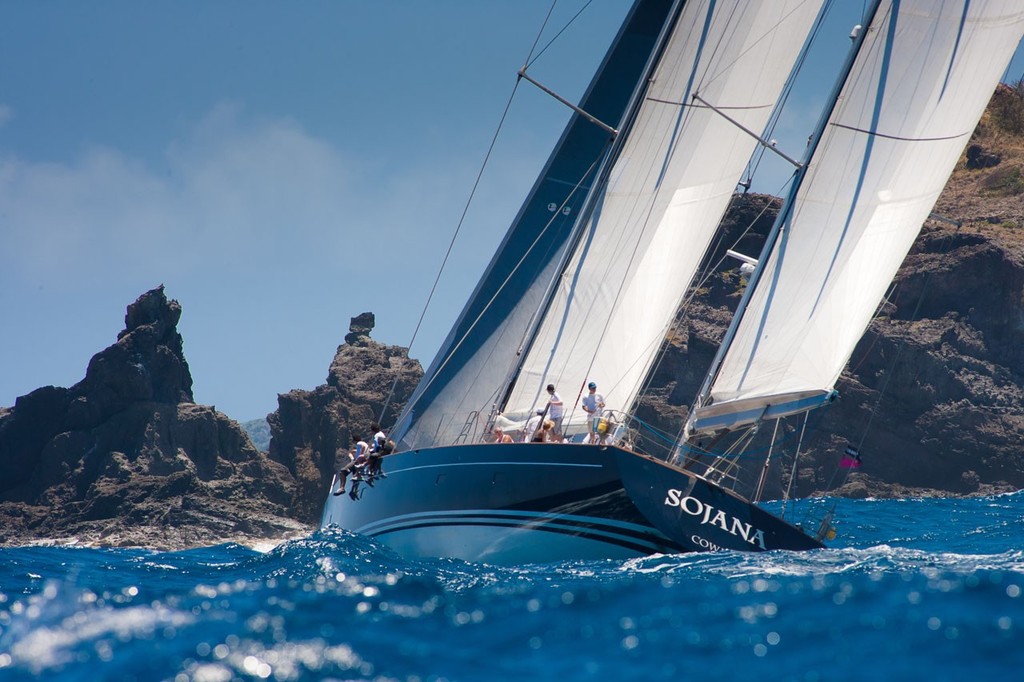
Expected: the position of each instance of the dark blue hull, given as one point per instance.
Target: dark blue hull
(532, 502)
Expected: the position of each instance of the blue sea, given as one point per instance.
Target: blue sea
(909, 590)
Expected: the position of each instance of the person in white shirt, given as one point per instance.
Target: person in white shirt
(377, 447)
(593, 405)
(379, 438)
(532, 426)
(354, 459)
(556, 410)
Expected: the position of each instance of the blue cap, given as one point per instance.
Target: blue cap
(591, 385)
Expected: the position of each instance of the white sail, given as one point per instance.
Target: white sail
(666, 195)
(916, 91)
(472, 369)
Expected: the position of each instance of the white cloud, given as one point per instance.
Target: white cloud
(229, 186)
(230, 194)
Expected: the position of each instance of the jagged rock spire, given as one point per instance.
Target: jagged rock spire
(359, 329)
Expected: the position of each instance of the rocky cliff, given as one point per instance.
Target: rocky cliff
(126, 457)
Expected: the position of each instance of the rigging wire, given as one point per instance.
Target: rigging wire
(767, 463)
(585, 220)
(766, 34)
(501, 287)
(893, 291)
(707, 273)
(711, 268)
(758, 454)
(796, 458)
(476, 184)
(891, 367)
(455, 235)
(684, 113)
(787, 90)
(529, 62)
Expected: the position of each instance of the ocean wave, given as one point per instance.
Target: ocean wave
(908, 577)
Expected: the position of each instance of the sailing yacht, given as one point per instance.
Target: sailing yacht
(593, 269)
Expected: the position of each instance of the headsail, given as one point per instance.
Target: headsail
(917, 89)
(668, 188)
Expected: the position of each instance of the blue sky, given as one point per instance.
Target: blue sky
(279, 167)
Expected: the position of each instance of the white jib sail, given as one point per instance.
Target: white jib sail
(667, 193)
(917, 90)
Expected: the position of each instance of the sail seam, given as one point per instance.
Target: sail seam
(704, 106)
(899, 138)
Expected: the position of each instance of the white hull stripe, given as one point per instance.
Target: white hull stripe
(618, 533)
(480, 464)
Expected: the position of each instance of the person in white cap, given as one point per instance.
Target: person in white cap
(556, 410)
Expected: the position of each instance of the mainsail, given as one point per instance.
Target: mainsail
(469, 372)
(917, 88)
(666, 192)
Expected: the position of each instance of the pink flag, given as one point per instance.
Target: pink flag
(851, 459)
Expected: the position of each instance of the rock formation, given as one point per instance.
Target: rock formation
(310, 429)
(126, 457)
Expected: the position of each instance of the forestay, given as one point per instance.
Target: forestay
(917, 89)
(667, 191)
